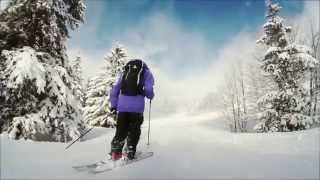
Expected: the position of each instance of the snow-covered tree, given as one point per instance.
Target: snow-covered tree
(37, 101)
(96, 110)
(257, 82)
(40, 24)
(77, 83)
(244, 83)
(307, 32)
(286, 107)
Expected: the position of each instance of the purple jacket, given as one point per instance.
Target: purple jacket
(132, 103)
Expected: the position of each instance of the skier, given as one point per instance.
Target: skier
(127, 100)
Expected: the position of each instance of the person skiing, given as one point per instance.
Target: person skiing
(127, 102)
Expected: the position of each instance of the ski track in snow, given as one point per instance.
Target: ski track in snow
(184, 146)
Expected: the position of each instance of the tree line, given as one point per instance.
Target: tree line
(279, 87)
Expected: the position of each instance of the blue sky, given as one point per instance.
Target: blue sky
(176, 31)
(217, 20)
(187, 43)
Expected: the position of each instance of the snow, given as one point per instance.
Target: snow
(31, 122)
(198, 146)
(25, 65)
(46, 112)
(287, 63)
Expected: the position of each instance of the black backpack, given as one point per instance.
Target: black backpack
(132, 78)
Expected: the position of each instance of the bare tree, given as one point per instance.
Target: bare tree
(314, 75)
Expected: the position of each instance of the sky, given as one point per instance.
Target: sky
(133, 23)
(187, 44)
(217, 20)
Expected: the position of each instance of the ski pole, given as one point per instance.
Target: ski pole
(80, 137)
(149, 123)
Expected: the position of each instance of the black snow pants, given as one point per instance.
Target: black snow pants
(128, 126)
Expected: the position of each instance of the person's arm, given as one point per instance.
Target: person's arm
(114, 94)
(148, 84)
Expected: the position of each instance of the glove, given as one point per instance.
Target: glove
(113, 111)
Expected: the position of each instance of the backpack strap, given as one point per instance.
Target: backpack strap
(128, 71)
(141, 69)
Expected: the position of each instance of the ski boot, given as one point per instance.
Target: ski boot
(116, 156)
(130, 155)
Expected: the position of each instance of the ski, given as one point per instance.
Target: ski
(109, 166)
(87, 166)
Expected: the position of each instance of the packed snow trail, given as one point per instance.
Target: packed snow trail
(184, 146)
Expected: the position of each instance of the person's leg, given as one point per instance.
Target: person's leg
(121, 132)
(136, 120)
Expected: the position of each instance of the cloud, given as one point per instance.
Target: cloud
(162, 42)
(91, 61)
(185, 64)
(176, 57)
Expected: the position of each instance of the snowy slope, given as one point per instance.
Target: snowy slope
(185, 147)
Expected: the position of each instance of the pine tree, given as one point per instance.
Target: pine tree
(36, 78)
(96, 111)
(77, 83)
(286, 107)
(40, 24)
